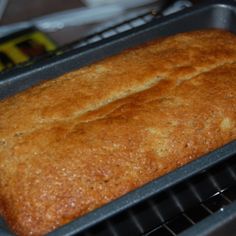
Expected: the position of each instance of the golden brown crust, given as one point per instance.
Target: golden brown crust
(73, 144)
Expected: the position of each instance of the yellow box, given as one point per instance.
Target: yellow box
(23, 46)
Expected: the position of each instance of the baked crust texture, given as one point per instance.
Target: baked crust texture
(73, 144)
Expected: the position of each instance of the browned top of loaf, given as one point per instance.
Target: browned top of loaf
(73, 144)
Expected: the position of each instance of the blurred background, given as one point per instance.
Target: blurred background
(32, 28)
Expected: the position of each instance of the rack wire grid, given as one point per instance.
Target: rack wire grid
(176, 209)
(130, 22)
(116, 29)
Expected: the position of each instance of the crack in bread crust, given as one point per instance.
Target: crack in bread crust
(116, 100)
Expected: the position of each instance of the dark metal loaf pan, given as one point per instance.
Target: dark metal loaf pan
(209, 14)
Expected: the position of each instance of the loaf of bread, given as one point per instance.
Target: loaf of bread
(75, 143)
